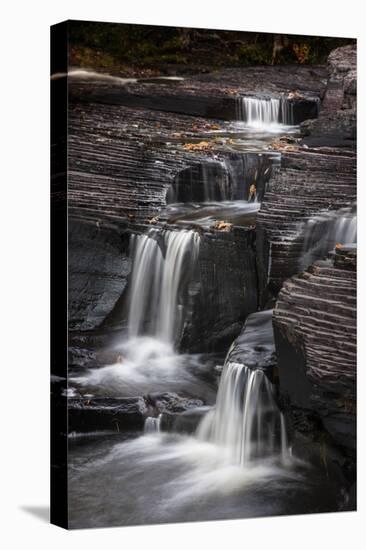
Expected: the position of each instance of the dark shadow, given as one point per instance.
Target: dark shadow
(40, 512)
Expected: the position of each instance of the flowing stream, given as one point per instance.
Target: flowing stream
(237, 463)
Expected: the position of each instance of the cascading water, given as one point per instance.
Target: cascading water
(246, 420)
(323, 232)
(152, 424)
(163, 262)
(262, 113)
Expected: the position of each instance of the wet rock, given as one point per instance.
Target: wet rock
(315, 334)
(81, 357)
(171, 402)
(223, 292)
(210, 96)
(186, 422)
(255, 347)
(98, 270)
(89, 415)
(310, 181)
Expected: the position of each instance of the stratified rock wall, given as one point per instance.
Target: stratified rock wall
(310, 181)
(315, 334)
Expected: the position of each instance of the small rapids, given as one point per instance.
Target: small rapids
(246, 422)
(152, 424)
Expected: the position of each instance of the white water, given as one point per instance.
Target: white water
(163, 263)
(323, 232)
(265, 113)
(246, 423)
(152, 424)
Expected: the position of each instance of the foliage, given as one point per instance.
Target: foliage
(112, 46)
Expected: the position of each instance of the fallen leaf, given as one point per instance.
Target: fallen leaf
(222, 225)
(201, 146)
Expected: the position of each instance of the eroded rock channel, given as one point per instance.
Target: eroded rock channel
(212, 294)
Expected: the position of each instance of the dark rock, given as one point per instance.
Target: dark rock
(331, 130)
(186, 422)
(340, 91)
(105, 413)
(224, 291)
(254, 347)
(227, 179)
(315, 334)
(98, 269)
(210, 96)
(336, 124)
(81, 357)
(310, 181)
(171, 402)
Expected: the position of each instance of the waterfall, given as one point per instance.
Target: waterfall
(216, 187)
(152, 424)
(260, 113)
(321, 233)
(246, 420)
(163, 263)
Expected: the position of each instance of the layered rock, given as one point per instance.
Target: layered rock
(310, 181)
(123, 164)
(315, 334)
(211, 96)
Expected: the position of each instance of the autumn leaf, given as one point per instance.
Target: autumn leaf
(222, 225)
(201, 146)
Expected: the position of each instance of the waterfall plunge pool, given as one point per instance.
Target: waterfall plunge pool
(159, 478)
